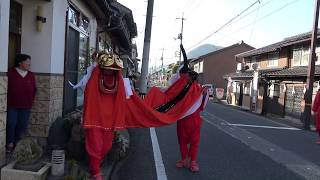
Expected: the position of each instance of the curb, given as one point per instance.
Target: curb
(117, 166)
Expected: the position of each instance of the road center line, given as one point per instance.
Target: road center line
(292, 161)
(254, 115)
(285, 127)
(160, 169)
(266, 127)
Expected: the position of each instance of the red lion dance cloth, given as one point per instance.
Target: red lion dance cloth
(110, 104)
(115, 111)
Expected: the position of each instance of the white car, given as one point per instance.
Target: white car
(210, 88)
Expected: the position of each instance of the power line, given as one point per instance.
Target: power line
(255, 18)
(258, 8)
(240, 18)
(258, 1)
(193, 9)
(273, 12)
(188, 5)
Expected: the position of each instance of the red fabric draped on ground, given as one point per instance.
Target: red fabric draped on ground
(114, 111)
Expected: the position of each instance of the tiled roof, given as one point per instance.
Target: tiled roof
(221, 50)
(273, 47)
(239, 75)
(293, 72)
(127, 13)
(249, 73)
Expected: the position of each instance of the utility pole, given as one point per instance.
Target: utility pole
(146, 49)
(162, 70)
(311, 67)
(180, 36)
(162, 59)
(155, 65)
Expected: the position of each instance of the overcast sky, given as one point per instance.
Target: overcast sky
(264, 23)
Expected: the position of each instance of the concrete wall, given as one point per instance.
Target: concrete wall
(58, 36)
(4, 34)
(48, 104)
(4, 37)
(3, 116)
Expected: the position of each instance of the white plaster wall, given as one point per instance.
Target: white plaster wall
(58, 36)
(37, 44)
(4, 34)
(46, 47)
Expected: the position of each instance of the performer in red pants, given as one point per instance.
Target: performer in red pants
(99, 109)
(188, 131)
(110, 105)
(98, 144)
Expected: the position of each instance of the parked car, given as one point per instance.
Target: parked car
(210, 88)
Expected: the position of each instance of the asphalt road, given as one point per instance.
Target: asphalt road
(234, 145)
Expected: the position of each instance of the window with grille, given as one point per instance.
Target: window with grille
(301, 55)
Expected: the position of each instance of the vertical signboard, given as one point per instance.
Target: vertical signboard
(254, 90)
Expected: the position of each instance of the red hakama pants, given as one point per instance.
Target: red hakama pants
(98, 144)
(188, 130)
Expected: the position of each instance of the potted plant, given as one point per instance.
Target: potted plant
(27, 162)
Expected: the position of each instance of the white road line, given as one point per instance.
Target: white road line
(254, 115)
(209, 122)
(266, 127)
(245, 125)
(160, 169)
(292, 161)
(284, 126)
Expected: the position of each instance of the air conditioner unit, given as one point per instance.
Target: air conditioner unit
(254, 66)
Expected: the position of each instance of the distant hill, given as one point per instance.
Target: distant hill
(202, 50)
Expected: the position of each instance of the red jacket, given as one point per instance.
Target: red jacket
(21, 90)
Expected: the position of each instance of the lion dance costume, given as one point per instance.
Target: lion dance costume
(110, 104)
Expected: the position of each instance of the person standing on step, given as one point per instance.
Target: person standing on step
(21, 94)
